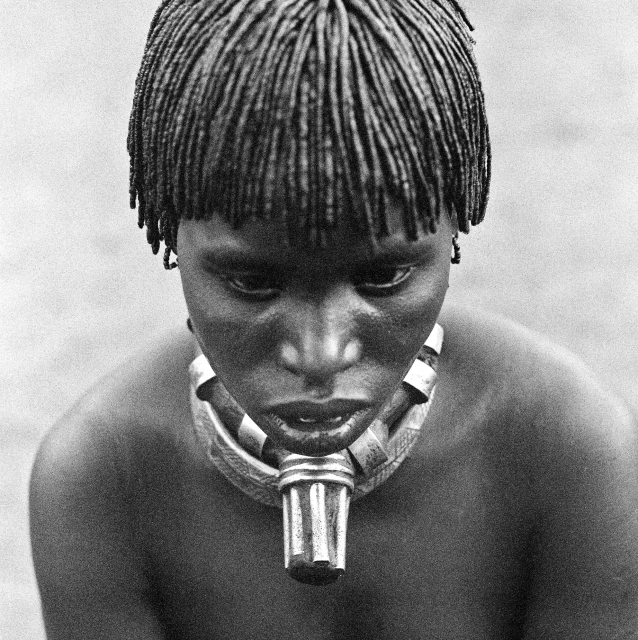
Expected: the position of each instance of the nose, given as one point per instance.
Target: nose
(319, 342)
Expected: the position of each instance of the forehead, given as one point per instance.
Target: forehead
(269, 242)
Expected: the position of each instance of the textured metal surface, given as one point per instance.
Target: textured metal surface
(319, 523)
(342, 525)
(251, 437)
(200, 371)
(435, 339)
(260, 481)
(421, 377)
(316, 496)
(247, 473)
(368, 451)
(399, 446)
(334, 468)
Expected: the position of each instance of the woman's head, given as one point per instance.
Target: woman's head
(311, 341)
(309, 113)
(316, 156)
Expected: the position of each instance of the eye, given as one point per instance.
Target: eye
(256, 285)
(381, 279)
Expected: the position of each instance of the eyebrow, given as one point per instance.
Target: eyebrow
(235, 258)
(405, 251)
(243, 258)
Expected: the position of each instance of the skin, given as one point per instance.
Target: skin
(513, 518)
(287, 325)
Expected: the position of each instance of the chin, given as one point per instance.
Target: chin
(315, 447)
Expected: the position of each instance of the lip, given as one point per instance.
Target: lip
(316, 428)
(309, 414)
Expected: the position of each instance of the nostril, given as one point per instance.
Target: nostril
(319, 361)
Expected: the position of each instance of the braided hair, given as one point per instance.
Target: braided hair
(306, 111)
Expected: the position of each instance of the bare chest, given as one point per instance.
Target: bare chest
(432, 554)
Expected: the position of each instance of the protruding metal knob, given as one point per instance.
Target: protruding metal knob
(316, 497)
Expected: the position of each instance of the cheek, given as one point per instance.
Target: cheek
(408, 318)
(225, 331)
(237, 339)
(241, 340)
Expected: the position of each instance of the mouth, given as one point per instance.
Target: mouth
(318, 429)
(315, 420)
(317, 416)
(311, 424)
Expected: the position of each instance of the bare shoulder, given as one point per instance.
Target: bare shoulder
(130, 413)
(534, 404)
(544, 412)
(148, 392)
(526, 377)
(89, 558)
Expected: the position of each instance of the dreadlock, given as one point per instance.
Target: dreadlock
(306, 111)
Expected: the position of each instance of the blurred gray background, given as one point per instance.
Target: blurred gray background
(79, 288)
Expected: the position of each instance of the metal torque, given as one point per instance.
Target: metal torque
(314, 492)
(316, 498)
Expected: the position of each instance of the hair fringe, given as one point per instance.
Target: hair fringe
(308, 111)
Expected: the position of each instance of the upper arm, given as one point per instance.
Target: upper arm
(584, 582)
(90, 574)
